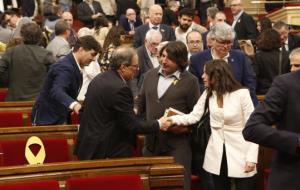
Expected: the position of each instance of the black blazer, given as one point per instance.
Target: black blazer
(84, 13)
(245, 28)
(281, 106)
(108, 125)
(293, 41)
(167, 32)
(125, 24)
(266, 67)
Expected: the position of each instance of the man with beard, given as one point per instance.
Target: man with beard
(186, 24)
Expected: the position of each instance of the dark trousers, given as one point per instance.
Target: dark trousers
(223, 182)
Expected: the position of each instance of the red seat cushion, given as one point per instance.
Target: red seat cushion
(11, 119)
(3, 93)
(115, 182)
(36, 185)
(13, 152)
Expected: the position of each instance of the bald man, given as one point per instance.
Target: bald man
(155, 18)
(68, 17)
(130, 21)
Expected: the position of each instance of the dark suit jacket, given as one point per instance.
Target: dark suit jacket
(181, 96)
(145, 64)
(239, 63)
(61, 87)
(245, 28)
(108, 125)
(281, 107)
(84, 12)
(27, 66)
(266, 67)
(167, 32)
(125, 24)
(293, 41)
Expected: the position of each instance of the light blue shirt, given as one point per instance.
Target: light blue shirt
(164, 82)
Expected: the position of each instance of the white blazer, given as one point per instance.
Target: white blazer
(227, 124)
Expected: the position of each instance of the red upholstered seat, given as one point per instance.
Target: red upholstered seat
(11, 119)
(36, 185)
(114, 182)
(3, 93)
(13, 152)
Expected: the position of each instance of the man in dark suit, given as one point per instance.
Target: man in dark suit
(155, 17)
(288, 41)
(130, 21)
(148, 58)
(223, 37)
(63, 83)
(243, 24)
(281, 108)
(108, 126)
(88, 11)
(170, 86)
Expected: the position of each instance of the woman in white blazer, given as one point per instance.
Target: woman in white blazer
(228, 155)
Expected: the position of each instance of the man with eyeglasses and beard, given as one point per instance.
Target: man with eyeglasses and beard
(186, 25)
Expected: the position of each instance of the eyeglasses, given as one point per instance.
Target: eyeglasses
(134, 66)
(224, 42)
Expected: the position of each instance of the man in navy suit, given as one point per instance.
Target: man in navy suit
(280, 107)
(155, 17)
(63, 83)
(223, 37)
(130, 21)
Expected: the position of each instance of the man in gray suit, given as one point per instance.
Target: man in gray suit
(148, 58)
(59, 46)
(170, 86)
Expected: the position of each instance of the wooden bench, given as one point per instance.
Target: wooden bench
(156, 172)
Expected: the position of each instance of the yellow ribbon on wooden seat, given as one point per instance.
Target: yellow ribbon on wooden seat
(41, 155)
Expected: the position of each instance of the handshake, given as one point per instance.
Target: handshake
(167, 124)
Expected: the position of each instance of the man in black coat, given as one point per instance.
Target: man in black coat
(243, 24)
(108, 125)
(88, 11)
(280, 107)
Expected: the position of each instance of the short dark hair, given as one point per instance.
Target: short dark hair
(268, 40)
(265, 23)
(121, 56)
(221, 78)
(278, 25)
(177, 52)
(187, 12)
(87, 43)
(11, 13)
(61, 27)
(31, 33)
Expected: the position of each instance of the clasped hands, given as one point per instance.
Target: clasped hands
(166, 124)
